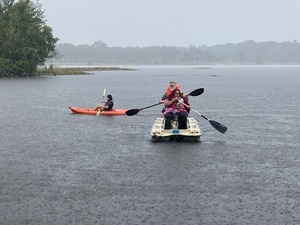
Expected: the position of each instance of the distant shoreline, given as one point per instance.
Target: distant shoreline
(51, 70)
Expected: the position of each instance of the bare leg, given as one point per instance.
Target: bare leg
(97, 108)
(101, 107)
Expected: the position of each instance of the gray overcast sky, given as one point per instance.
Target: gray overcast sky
(124, 23)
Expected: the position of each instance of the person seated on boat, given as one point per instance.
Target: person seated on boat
(108, 104)
(174, 108)
(172, 85)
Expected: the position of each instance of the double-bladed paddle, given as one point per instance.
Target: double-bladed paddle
(218, 126)
(103, 95)
(132, 112)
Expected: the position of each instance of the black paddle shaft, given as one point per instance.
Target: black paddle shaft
(151, 106)
(132, 112)
(218, 126)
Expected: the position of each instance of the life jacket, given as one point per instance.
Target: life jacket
(110, 104)
(168, 91)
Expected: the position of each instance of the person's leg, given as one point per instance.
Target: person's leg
(101, 107)
(182, 120)
(96, 108)
(168, 119)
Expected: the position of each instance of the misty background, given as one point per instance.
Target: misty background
(176, 23)
(248, 52)
(175, 31)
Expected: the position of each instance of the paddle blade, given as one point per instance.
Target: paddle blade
(218, 126)
(196, 92)
(132, 112)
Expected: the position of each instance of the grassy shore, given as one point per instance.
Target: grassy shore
(51, 70)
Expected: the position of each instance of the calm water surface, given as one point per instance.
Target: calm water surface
(62, 168)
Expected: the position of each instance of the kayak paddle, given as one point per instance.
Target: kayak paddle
(132, 112)
(103, 95)
(196, 92)
(218, 126)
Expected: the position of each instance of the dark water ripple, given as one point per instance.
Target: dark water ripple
(61, 168)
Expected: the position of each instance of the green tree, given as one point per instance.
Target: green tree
(25, 39)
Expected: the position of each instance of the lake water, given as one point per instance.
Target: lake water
(63, 168)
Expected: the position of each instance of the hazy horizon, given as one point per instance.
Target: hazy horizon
(172, 22)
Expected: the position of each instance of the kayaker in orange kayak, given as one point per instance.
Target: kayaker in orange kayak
(108, 104)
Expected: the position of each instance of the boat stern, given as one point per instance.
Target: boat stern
(191, 134)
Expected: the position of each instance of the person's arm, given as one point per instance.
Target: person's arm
(169, 102)
(164, 96)
(109, 105)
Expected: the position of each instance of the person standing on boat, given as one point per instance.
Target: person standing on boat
(108, 104)
(175, 109)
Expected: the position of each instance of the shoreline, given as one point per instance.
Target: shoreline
(51, 70)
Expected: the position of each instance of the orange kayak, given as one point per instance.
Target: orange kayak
(87, 111)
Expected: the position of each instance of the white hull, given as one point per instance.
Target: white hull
(191, 134)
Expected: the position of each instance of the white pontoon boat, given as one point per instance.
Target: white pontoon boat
(191, 134)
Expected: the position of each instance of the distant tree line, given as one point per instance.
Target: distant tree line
(248, 52)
